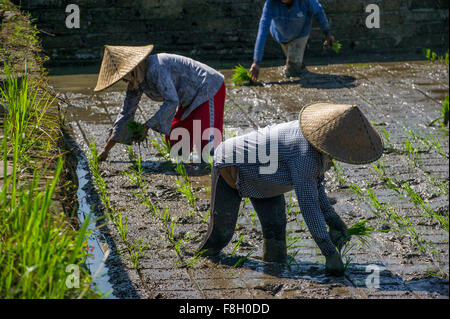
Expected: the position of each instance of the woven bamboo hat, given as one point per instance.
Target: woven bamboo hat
(118, 61)
(342, 132)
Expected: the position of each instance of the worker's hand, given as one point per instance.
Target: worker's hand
(145, 131)
(334, 265)
(328, 41)
(339, 237)
(254, 72)
(338, 231)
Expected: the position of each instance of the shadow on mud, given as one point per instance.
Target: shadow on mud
(374, 276)
(157, 165)
(320, 81)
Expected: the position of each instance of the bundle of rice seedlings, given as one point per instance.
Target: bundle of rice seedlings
(336, 46)
(136, 130)
(241, 75)
(360, 230)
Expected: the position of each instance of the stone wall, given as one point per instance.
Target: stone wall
(226, 29)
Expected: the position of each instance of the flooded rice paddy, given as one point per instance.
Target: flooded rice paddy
(407, 256)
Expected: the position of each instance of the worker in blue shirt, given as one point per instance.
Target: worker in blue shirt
(289, 23)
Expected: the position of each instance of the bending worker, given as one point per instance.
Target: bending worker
(191, 93)
(289, 22)
(301, 151)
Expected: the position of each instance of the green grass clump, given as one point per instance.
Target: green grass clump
(240, 75)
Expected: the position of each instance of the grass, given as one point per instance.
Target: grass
(37, 240)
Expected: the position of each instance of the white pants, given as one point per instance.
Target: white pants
(295, 49)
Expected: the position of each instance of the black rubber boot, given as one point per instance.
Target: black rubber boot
(225, 202)
(334, 265)
(272, 215)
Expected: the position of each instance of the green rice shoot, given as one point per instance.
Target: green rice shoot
(445, 112)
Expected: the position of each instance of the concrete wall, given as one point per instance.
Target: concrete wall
(226, 29)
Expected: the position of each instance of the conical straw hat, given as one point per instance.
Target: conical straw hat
(342, 132)
(118, 61)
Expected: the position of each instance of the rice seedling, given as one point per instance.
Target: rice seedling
(433, 56)
(241, 76)
(242, 259)
(187, 190)
(136, 169)
(206, 217)
(121, 224)
(136, 251)
(246, 201)
(185, 186)
(163, 147)
(37, 242)
(401, 224)
(445, 110)
(194, 260)
(237, 245)
(443, 220)
(179, 245)
(253, 216)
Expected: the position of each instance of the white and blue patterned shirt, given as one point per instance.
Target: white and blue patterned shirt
(276, 159)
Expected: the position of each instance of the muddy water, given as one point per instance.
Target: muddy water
(390, 94)
(97, 246)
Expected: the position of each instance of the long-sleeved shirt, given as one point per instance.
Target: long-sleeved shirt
(174, 80)
(276, 159)
(288, 23)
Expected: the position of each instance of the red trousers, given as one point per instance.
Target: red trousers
(200, 117)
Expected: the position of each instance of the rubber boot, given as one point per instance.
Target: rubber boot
(274, 251)
(295, 69)
(334, 265)
(225, 202)
(272, 215)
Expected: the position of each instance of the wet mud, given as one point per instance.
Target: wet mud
(391, 266)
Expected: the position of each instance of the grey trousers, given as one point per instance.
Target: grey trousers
(224, 208)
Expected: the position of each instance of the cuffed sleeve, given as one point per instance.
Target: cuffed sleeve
(320, 16)
(263, 32)
(307, 191)
(119, 131)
